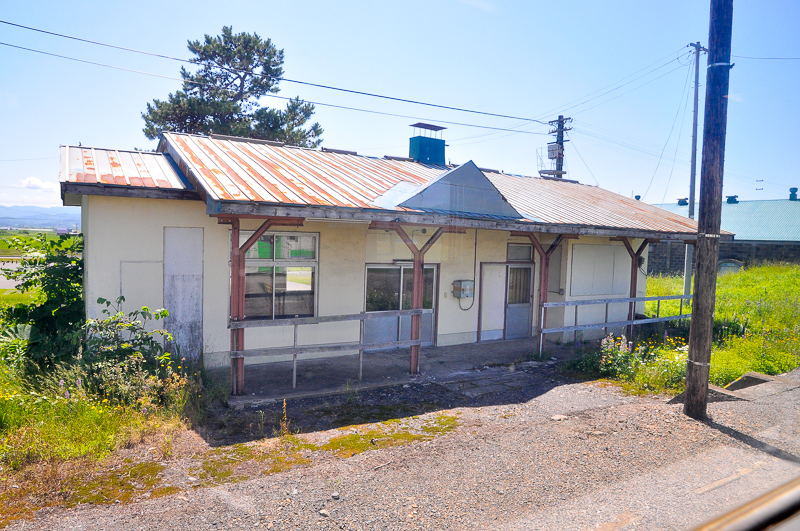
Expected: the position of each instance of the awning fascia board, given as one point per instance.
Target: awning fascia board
(216, 208)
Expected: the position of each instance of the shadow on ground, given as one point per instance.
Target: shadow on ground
(328, 394)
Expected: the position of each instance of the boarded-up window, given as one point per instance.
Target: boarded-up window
(600, 270)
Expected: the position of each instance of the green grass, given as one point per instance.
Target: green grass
(764, 299)
(38, 427)
(12, 297)
(6, 235)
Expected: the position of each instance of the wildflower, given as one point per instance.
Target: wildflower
(61, 384)
(66, 395)
(78, 383)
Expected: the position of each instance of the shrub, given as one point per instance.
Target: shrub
(128, 364)
(53, 271)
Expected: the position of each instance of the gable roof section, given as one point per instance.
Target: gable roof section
(776, 220)
(241, 170)
(462, 190)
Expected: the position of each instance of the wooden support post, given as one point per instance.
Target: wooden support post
(237, 335)
(238, 288)
(708, 224)
(544, 274)
(419, 265)
(635, 255)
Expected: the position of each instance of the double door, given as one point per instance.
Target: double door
(390, 287)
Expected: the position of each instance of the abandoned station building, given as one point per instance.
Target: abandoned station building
(344, 253)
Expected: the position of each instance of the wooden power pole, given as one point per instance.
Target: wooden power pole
(708, 224)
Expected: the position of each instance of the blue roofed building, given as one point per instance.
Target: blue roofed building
(765, 230)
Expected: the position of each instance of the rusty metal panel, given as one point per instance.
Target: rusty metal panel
(123, 168)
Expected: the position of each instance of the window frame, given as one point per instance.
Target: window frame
(513, 261)
(275, 263)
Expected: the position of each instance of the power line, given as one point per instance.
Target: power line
(629, 91)
(677, 145)
(767, 58)
(278, 78)
(680, 104)
(582, 160)
(586, 99)
(272, 95)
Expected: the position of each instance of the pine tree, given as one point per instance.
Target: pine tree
(222, 95)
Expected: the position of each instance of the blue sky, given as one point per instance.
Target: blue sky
(528, 59)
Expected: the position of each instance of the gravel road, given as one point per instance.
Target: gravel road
(611, 462)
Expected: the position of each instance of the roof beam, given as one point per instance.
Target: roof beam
(242, 209)
(118, 190)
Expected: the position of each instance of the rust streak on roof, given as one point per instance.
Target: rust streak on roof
(230, 172)
(217, 187)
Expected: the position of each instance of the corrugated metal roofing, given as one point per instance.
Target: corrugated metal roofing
(764, 220)
(123, 168)
(249, 171)
(241, 170)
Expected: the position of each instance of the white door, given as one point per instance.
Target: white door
(493, 301)
(518, 301)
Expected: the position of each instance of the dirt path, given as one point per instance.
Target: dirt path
(610, 462)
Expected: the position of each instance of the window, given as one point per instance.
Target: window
(280, 275)
(520, 253)
(388, 285)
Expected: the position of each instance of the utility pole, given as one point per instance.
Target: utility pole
(705, 281)
(689, 262)
(555, 150)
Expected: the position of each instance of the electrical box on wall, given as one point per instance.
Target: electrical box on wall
(464, 289)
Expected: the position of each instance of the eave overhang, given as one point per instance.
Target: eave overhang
(216, 208)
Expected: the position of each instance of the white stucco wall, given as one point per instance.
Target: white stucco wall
(125, 253)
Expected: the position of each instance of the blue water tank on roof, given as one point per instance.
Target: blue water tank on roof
(426, 150)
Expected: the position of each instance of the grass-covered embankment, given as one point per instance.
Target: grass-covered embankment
(757, 325)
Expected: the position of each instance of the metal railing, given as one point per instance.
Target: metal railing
(605, 325)
(296, 349)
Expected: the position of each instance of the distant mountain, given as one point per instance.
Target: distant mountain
(40, 217)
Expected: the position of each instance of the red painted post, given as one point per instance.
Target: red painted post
(544, 275)
(635, 255)
(237, 310)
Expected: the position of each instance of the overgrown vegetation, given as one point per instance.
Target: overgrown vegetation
(757, 323)
(73, 389)
(78, 398)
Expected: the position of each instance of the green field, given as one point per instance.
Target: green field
(757, 324)
(6, 235)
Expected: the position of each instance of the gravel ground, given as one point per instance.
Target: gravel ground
(557, 454)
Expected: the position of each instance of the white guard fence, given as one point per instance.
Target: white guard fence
(605, 325)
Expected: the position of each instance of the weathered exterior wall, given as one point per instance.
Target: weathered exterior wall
(125, 256)
(599, 269)
(667, 258)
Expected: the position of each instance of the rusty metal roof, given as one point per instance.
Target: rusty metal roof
(568, 202)
(233, 170)
(226, 169)
(116, 167)
(241, 170)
